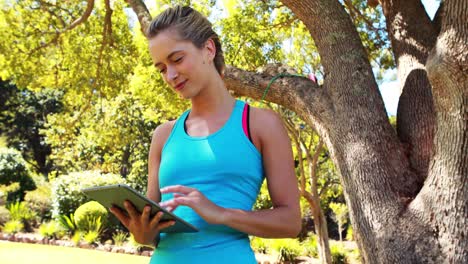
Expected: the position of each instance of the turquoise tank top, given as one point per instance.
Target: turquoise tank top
(227, 168)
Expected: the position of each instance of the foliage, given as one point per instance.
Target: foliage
(310, 246)
(66, 189)
(287, 249)
(340, 215)
(259, 245)
(39, 201)
(338, 254)
(119, 238)
(92, 236)
(13, 169)
(22, 119)
(350, 233)
(67, 222)
(91, 216)
(4, 215)
(19, 211)
(13, 227)
(77, 236)
(52, 229)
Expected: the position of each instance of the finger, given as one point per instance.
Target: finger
(155, 220)
(178, 189)
(184, 201)
(169, 203)
(123, 218)
(178, 195)
(146, 214)
(131, 209)
(170, 208)
(165, 224)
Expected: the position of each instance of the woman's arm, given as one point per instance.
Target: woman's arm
(284, 219)
(144, 228)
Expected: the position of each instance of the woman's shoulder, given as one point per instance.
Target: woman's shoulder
(266, 118)
(162, 133)
(266, 126)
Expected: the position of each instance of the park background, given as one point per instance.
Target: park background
(78, 107)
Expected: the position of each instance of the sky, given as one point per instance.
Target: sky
(389, 87)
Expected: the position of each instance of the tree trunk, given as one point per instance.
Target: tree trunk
(412, 35)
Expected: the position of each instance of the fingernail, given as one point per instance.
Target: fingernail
(147, 209)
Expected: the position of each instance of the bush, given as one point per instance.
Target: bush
(13, 227)
(4, 215)
(66, 189)
(310, 246)
(91, 216)
(259, 245)
(91, 237)
(20, 212)
(52, 229)
(13, 169)
(67, 223)
(288, 249)
(39, 201)
(119, 238)
(338, 254)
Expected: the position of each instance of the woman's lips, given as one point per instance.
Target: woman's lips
(180, 86)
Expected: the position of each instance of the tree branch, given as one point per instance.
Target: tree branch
(83, 18)
(301, 95)
(144, 16)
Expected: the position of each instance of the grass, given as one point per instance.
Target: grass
(21, 253)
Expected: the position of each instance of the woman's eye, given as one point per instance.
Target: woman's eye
(162, 70)
(178, 59)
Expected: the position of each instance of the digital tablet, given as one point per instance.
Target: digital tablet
(117, 194)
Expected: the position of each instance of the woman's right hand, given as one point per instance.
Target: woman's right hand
(143, 228)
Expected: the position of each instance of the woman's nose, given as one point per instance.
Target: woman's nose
(172, 73)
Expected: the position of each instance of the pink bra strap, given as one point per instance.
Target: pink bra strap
(245, 121)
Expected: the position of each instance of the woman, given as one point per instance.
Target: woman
(211, 161)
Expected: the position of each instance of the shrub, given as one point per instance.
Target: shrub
(52, 229)
(13, 169)
(259, 245)
(91, 216)
(76, 238)
(310, 246)
(39, 201)
(338, 254)
(91, 237)
(288, 249)
(20, 212)
(66, 189)
(67, 223)
(119, 238)
(13, 227)
(4, 215)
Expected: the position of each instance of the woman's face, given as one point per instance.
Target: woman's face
(183, 66)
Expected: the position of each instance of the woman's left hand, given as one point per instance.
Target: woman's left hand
(194, 199)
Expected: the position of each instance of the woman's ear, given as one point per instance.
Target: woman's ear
(210, 47)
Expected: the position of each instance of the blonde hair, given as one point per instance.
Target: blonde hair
(190, 25)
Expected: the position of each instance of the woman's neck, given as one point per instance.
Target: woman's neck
(213, 99)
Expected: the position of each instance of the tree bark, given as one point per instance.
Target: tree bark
(412, 35)
(443, 199)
